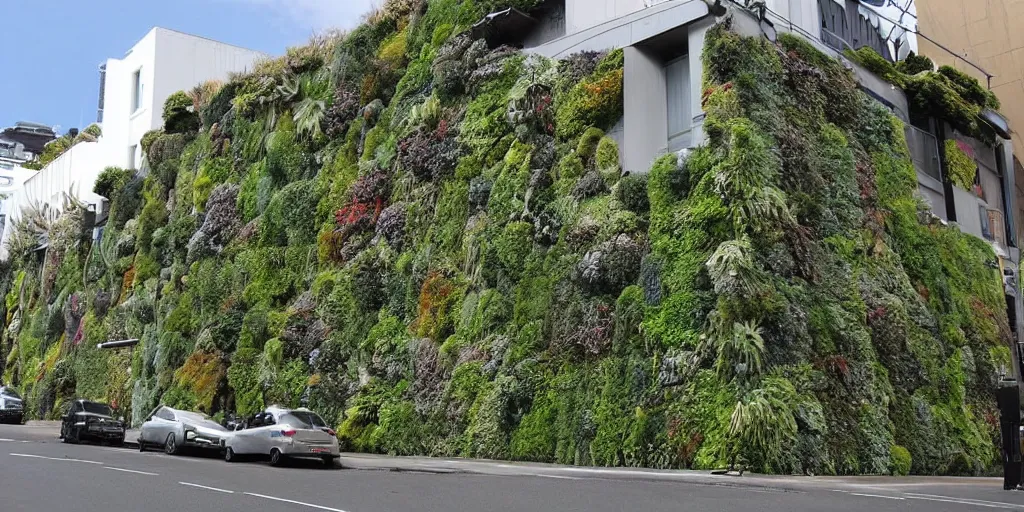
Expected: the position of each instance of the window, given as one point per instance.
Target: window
(677, 85)
(165, 414)
(132, 150)
(95, 408)
(136, 90)
(303, 419)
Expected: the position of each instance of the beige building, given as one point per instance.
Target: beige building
(989, 35)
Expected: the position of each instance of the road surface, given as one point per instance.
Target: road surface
(38, 473)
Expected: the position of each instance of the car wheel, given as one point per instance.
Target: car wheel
(142, 445)
(171, 446)
(76, 436)
(229, 455)
(63, 432)
(276, 458)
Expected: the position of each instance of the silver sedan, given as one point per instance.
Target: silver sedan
(282, 434)
(174, 429)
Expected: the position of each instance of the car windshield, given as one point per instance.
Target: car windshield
(94, 408)
(199, 420)
(304, 419)
(10, 392)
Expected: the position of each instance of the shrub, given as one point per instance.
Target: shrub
(899, 460)
(111, 181)
(632, 193)
(596, 101)
(179, 114)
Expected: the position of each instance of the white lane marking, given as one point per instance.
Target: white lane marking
(876, 496)
(560, 477)
(964, 501)
(5, 440)
(53, 458)
(294, 502)
(207, 488)
(132, 471)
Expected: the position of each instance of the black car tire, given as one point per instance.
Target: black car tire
(142, 445)
(171, 445)
(276, 457)
(229, 455)
(76, 436)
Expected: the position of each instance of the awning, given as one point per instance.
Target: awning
(509, 26)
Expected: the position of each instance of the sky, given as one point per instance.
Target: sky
(53, 48)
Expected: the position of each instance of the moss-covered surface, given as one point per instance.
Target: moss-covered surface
(961, 167)
(450, 265)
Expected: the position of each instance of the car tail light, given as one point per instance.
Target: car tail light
(288, 433)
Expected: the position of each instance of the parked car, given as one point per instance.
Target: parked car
(282, 434)
(87, 420)
(12, 406)
(174, 430)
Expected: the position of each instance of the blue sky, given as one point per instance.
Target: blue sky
(53, 48)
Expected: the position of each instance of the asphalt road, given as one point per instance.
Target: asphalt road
(38, 473)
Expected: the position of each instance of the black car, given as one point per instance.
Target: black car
(12, 406)
(91, 420)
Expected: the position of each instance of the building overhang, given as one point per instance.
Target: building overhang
(998, 123)
(506, 27)
(627, 30)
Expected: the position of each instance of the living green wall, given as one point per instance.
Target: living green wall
(428, 242)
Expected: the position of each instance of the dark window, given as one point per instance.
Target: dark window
(95, 408)
(165, 414)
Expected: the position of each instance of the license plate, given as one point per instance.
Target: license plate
(319, 450)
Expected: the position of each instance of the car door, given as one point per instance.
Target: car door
(158, 426)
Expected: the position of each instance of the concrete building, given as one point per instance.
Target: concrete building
(663, 39)
(135, 87)
(133, 90)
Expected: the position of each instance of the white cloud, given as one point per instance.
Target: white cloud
(318, 14)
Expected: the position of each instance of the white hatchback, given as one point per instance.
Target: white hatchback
(282, 434)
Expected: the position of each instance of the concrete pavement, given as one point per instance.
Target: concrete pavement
(39, 473)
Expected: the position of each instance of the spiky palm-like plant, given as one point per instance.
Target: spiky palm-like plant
(309, 115)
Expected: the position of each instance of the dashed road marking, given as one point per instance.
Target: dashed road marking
(207, 488)
(876, 496)
(321, 507)
(26, 455)
(147, 473)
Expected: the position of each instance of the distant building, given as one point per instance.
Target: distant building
(24, 142)
(133, 90)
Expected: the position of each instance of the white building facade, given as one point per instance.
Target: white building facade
(133, 90)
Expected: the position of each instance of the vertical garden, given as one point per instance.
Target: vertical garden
(429, 241)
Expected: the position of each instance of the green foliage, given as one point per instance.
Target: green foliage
(596, 101)
(774, 298)
(901, 461)
(179, 114)
(110, 182)
(960, 165)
